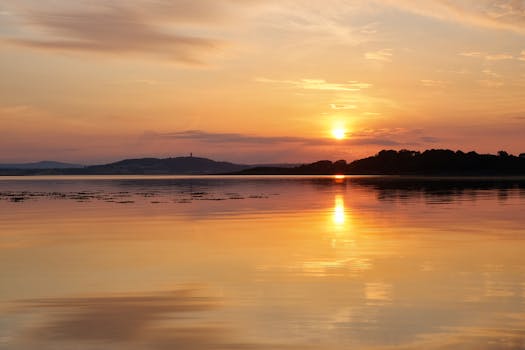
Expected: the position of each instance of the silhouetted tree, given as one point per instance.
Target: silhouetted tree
(340, 167)
(438, 162)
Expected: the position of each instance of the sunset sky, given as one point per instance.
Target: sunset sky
(258, 81)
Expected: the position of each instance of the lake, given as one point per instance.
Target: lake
(199, 263)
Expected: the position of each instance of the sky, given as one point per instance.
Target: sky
(258, 81)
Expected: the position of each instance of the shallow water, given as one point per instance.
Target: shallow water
(262, 263)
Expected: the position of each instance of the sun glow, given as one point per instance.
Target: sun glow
(339, 133)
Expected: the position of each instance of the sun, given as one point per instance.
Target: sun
(339, 133)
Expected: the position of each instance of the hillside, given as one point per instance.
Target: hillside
(178, 165)
(46, 164)
(142, 166)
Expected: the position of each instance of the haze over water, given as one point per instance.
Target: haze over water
(262, 263)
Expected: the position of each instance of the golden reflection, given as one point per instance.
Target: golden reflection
(339, 211)
(378, 293)
(341, 222)
(339, 179)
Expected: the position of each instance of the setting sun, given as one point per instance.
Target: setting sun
(339, 133)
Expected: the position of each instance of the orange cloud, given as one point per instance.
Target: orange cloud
(158, 29)
(506, 15)
(319, 84)
(384, 55)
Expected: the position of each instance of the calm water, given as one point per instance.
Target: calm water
(262, 263)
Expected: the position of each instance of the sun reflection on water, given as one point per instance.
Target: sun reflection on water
(339, 211)
(339, 178)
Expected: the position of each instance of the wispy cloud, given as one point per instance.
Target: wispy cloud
(203, 136)
(154, 29)
(319, 84)
(494, 57)
(506, 15)
(371, 114)
(492, 80)
(384, 55)
(499, 57)
(491, 83)
(381, 138)
(338, 106)
(491, 73)
(321, 22)
(185, 31)
(430, 139)
(489, 56)
(472, 54)
(433, 83)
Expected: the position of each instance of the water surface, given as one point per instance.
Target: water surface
(262, 263)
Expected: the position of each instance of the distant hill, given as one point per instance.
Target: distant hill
(405, 162)
(46, 164)
(142, 166)
(151, 166)
(145, 166)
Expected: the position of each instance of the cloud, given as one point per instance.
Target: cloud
(308, 22)
(384, 55)
(490, 83)
(191, 11)
(319, 84)
(158, 29)
(377, 141)
(499, 57)
(488, 56)
(339, 106)
(491, 73)
(493, 79)
(382, 138)
(430, 139)
(472, 54)
(496, 14)
(203, 136)
(184, 31)
(433, 83)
